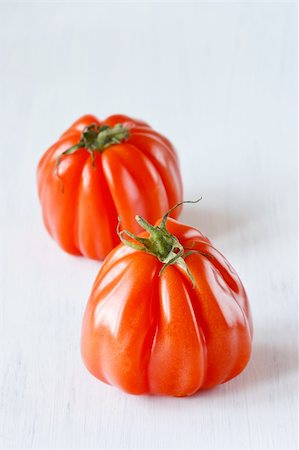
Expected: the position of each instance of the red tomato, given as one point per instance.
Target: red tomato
(172, 332)
(99, 170)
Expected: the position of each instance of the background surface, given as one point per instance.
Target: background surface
(220, 81)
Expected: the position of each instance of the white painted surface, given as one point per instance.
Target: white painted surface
(220, 81)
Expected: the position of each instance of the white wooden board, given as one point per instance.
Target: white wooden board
(220, 80)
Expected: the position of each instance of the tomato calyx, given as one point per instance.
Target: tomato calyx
(160, 243)
(97, 138)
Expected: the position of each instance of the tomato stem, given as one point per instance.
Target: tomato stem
(160, 243)
(97, 138)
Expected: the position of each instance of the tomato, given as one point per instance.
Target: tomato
(167, 314)
(99, 170)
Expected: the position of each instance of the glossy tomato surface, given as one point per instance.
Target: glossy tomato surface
(146, 333)
(81, 199)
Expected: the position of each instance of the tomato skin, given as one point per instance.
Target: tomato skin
(151, 334)
(81, 203)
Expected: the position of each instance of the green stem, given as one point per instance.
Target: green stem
(144, 224)
(109, 136)
(160, 243)
(96, 138)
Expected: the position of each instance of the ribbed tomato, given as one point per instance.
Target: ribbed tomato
(169, 316)
(99, 170)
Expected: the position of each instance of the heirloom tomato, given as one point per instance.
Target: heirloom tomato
(167, 314)
(100, 169)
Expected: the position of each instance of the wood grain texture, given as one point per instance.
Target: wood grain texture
(220, 81)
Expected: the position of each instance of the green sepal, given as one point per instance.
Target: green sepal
(160, 243)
